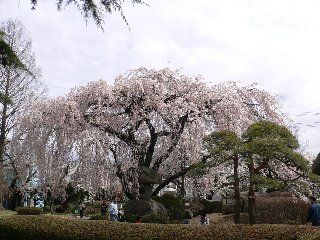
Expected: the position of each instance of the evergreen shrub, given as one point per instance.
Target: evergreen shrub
(28, 211)
(228, 209)
(211, 206)
(93, 208)
(155, 218)
(196, 207)
(281, 210)
(173, 204)
(131, 218)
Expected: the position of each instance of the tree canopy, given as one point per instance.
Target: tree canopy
(132, 135)
(94, 9)
(264, 156)
(18, 84)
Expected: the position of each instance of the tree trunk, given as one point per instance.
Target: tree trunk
(252, 205)
(15, 199)
(1, 195)
(251, 195)
(182, 191)
(51, 204)
(3, 184)
(236, 186)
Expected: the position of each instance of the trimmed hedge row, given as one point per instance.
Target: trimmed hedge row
(211, 206)
(46, 227)
(281, 210)
(28, 211)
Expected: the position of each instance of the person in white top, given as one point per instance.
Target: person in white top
(113, 209)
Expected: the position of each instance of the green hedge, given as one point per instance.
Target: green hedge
(173, 204)
(93, 208)
(228, 209)
(196, 207)
(281, 210)
(28, 211)
(155, 218)
(48, 227)
(211, 206)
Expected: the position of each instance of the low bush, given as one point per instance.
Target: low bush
(46, 210)
(281, 210)
(98, 217)
(211, 206)
(48, 227)
(58, 209)
(28, 211)
(155, 218)
(228, 209)
(173, 204)
(143, 207)
(196, 207)
(93, 208)
(131, 218)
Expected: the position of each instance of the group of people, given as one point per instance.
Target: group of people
(203, 220)
(115, 214)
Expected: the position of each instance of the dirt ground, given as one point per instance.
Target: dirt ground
(215, 218)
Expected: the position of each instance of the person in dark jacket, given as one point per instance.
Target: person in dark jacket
(314, 211)
(104, 208)
(82, 207)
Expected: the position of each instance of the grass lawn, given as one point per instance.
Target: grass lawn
(6, 213)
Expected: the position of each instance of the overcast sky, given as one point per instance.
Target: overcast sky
(270, 42)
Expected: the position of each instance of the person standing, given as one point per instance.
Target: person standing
(82, 207)
(314, 211)
(104, 207)
(113, 209)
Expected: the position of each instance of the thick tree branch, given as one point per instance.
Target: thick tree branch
(152, 143)
(175, 176)
(175, 137)
(263, 165)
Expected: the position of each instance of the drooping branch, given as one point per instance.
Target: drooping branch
(94, 9)
(120, 174)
